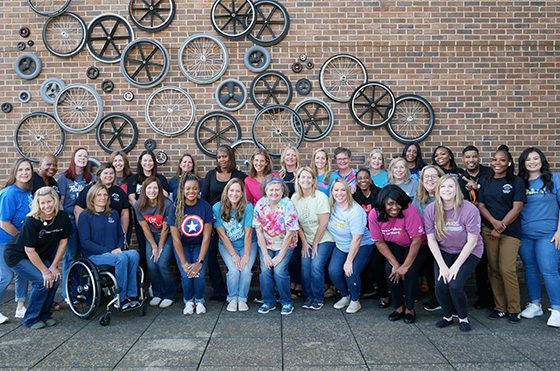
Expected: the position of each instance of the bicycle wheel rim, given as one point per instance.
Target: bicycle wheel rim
(154, 17)
(413, 120)
(318, 119)
(203, 59)
(340, 75)
(78, 108)
(49, 8)
(145, 63)
(273, 129)
(107, 39)
(170, 111)
(226, 130)
(39, 133)
(117, 132)
(372, 104)
(272, 23)
(65, 35)
(235, 22)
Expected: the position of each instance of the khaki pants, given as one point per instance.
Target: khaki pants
(502, 256)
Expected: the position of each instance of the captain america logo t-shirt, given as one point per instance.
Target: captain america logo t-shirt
(192, 225)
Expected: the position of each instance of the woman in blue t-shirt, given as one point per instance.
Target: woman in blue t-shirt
(238, 246)
(540, 233)
(321, 166)
(15, 203)
(190, 220)
(500, 201)
(413, 156)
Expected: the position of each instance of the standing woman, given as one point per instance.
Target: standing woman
(44, 177)
(540, 238)
(444, 158)
(70, 184)
(190, 220)
(260, 166)
(212, 190)
(453, 230)
(353, 245)
(152, 212)
(120, 162)
(34, 255)
(187, 164)
(500, 201)
(15, 203)
(238, 245)
(276, 224)
(317, 243)
(413, 156)
(398, 230)
(376, 164)
(399, 174)
(321, 166)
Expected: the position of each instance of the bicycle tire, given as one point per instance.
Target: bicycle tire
(372, 104)
(27, 66)
(411, 111)
(64, 36)
(274, 25)
(203, 58)
(224, 19)
(273, 129)
(39, 133)
(244, 149)
(157, 58)
(168, 109)
(256, 59)
(152, 11)
(340, 75)
(56, 7)
(111, 130)
(106, 40)
(209, 140)
(318, 119)
(270, 87)
(78, 108)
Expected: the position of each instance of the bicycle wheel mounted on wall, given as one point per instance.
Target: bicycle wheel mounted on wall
(413, 120)
(39, 133)
(117, 132)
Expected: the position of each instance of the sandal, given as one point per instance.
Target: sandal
(55, 306)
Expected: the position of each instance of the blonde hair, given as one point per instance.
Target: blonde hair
(327, 177)
(299, 190)
(440, 212)
(283, 169)
(373, 152)
(36, 209)
(349, 197)
(390, 176)
(225, 209)
(92, 193)
(422, 194)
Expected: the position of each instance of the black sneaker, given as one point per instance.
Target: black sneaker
(514, 318)
(307, 303)
(315, 305)
(465, 326)
(432, 305)
(496, 315)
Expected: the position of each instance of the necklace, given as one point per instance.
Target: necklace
(45, 221)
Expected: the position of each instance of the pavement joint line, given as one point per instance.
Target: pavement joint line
(210, 337)
(354, 338)
(434, 345)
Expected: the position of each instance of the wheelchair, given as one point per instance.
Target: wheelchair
(87, 283)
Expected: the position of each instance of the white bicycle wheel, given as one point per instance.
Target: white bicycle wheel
(170, 111)
(78, 108)
(203, 58)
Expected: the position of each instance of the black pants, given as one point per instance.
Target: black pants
(406, 289)
(482, 281)
(375, 273)
(141, 246)
(214, 272)
(452, 294)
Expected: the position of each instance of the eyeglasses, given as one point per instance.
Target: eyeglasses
(342, 159)
(433, 177)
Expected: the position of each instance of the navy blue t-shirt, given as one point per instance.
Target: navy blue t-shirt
(192, 226)
(100, 234)
(499, 195)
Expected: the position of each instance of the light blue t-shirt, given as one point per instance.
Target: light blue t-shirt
(15, 204)
(322, 186)
(235, 230)
(343, 224)
(380, 179)
(539, 217)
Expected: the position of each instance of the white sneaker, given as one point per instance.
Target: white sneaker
(200, 308)
(242, 306)
(232, 306)
(554, 320)
(532, 311)
(155, 302)
(166, 303)
(20, 313)
(354, 307)
(344, 302)
(189, 308)
(3, 318)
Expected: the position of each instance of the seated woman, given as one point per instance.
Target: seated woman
(453, 229)
(44, 235)
(102, 240)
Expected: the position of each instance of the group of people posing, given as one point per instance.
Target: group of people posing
(375, 230)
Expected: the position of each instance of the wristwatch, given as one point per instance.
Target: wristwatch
(201, 261)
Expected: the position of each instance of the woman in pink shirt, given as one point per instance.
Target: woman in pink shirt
(260, 166)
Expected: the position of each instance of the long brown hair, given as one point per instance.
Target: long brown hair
(13, 171)
(421, 194)
(144, 201)
(267, 169)
(92, 193)
(179, 172)
(440, 212)
(225, 210)
(328, 168)
(126, 170)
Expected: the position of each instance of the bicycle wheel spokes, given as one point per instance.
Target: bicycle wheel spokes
(318, 119)
(49, 8)
(273, 129)
(413, 120)
(340, 75)
(244, 149)
(233, 19)
(216, 129)
(271, 25)
(39, 133)
(170, 111)
(108, 35)
(65, 35)
(203, 58)
(151, 15)
(271, 87)
(78, 108)
(145, 63)
(117, 132)
(372, 104)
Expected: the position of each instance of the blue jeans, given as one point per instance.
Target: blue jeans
(161, 278)
(41, 298)
(6, 275)
(126, 268)
(71, 253)
(278, 275)
(193, 288)
(540, 257)
(238, 282)
(349, 285)
(313, 272)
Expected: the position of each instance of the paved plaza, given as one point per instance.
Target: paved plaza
(325, 340)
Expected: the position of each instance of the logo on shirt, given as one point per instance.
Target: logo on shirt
(507, 188)
(110, 220)
(116, 197)
(155, 220)
(192, 226)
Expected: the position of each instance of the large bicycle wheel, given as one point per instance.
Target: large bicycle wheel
(244, 149)
(318, 119)
(273, 129)
(107, 36)
(372, 104)
(151, 15)
(203, 58)
(145, 63)
(233, 19)
(78, 108)
(216, 129)
(413, 120)
(117, 132)
(170, 111)
(340, 75)
(64, 36)
(39, 133)
(270, 87)
(272, 23)
(49, 8)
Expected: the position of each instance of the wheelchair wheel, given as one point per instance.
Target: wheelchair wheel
(83, 289)
(105, 320)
